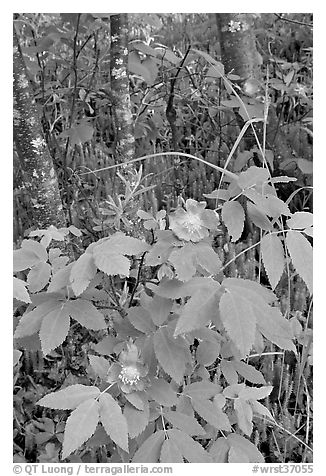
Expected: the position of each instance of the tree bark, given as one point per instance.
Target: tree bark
(238, 46)
(239, 54)
(124, 125)
(40, 178)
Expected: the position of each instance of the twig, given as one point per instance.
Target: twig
(297, 22)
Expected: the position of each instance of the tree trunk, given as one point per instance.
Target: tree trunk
(238, 46)
(124, 126)
(40, 178)
(239, 54)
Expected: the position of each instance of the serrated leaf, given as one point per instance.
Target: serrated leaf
(220, 450)
(244, 415)
(140, 318)
(106, 345)
(198, 311)
(82, 272)
(273, 258)
(249, 372)
(70, 397)
(207, 352)
(233, 217)
(302, 256)
(268, 204)
(100, 366)
(20, 291)
(159, 309)
(258, 217)
(237, 441)
(60, 279)
(80, 426)
(119, 243)
(249, 393)
(186, 423)
(38, 277)
(207, 258)
(237, 455)
(170, 453)
(211, 413)
(112, 264)
(174, 289)
(136, 400)
(137, 420)
(252, 176)
(183, 261)
(35, 247)
(261, 409)
(54, 328)
(115, 424)
(228, 371)
(275, 328)
(232, 391)
(252, 289)
(171, 353)
(191, 450)
(162, 392)
(203, 389)
(300, 220)
(187, 259)
(150, 450)
(86, 314)
(24, 259)
(31, 321)
(239, 320)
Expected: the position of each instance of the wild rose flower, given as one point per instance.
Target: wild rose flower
(193, 223)
(130, 370)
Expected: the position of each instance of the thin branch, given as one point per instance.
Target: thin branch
(296, 22)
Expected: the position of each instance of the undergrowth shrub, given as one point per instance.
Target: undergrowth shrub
(165, 338)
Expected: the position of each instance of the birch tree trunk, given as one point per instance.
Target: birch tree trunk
(239, 54)
(40, 178)
(124, 126)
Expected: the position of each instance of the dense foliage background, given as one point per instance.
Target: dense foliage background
(94, 91)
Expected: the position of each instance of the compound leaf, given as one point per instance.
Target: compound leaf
(186, 423)
(86, 314)
(20, 291)
(239, 320)
(244, 415)
(171, 353)
(201, 390)
(38, 277)
(70, 397)
(80, 426)
(115, 424)
(211, 413)
(161, 391)
(82, 272)
(54, 328)
(150, 450)
(273, 258)
(237, 441)
(137, 420)
(191, 450)
(302, 256)
(170, 453)
(233, 217)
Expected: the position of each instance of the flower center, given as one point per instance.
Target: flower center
(192, 223)
(129, 374)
